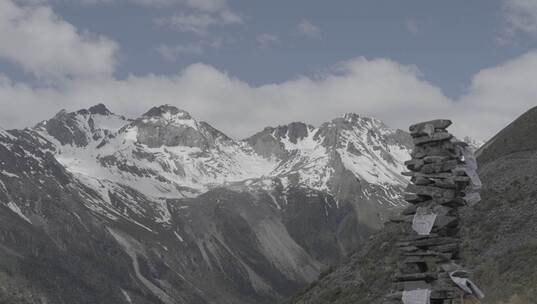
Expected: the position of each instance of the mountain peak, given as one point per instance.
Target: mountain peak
(351, 116)
(82, 127)
(166, 125)
(293, 131)
(99, 109)
(167, 111)
(353, 120)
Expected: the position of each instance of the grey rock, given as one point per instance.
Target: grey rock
(432, 192)
(414, 164)
(435, 137)
(437, 124)
(442, 167)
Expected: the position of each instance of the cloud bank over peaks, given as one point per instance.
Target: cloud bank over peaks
(395, 93)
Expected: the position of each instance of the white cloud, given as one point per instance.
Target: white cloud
(46, 46)
(199, 23)
(373, 87)
(308, 29)
(266, 39)
(382, 88)
(520, 16)
(195, 23)
(172, 52)
(497, 95)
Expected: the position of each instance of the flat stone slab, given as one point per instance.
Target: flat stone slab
(446, 294)
(432, 138)
(425, 259)
(434, 241)
(442, 167)
(440, 222)
(415, 198)
(443, 148)
(414, 164)
(433, 192)
(420, 276)
(431, 175)
(453, 247)
(436, 158)
(421, 127)
(429, 253)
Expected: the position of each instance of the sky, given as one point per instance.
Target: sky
(246, 64)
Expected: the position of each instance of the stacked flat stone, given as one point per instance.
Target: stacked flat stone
(438, 183)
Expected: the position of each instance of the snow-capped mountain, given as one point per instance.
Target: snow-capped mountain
(317, 157)
(166, 154)
(199, 216)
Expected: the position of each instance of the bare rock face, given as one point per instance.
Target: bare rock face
(295, 131)
(268, 142)
(169, 126)
(100, 109)
(64, 127)
(429, 127)
(81, 127)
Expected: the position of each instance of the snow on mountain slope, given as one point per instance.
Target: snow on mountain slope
(163, 154)
(308, 160)
(370, 151)
(177, 156)
(166, 153)
(317, 157)
(82, 128)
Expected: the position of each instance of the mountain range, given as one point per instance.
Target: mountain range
(96, 207)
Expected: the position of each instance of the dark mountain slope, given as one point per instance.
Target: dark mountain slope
(500, 232)
(518, 136)
(61, 258)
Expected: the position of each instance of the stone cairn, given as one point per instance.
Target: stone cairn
(443, 179)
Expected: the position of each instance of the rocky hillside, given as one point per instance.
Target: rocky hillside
(100, 208)
(500, 235)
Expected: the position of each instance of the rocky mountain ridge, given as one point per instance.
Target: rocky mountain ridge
(168, 154)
